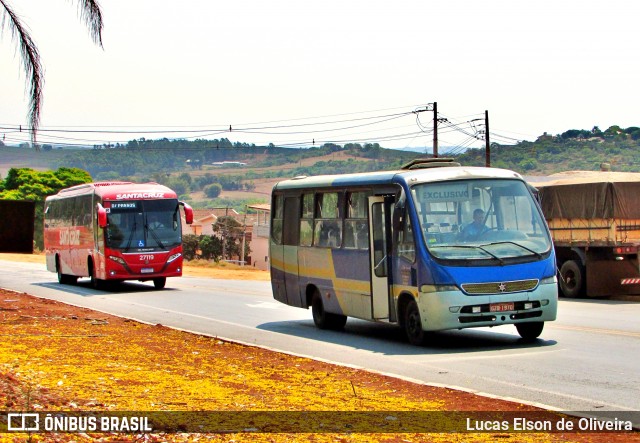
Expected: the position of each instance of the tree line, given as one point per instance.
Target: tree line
(31, 185)
(575, 149)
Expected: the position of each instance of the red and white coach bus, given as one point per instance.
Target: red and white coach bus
(114, 231)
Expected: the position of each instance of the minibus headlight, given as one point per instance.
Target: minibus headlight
(549, 280)
(438, 288)
(174, 257)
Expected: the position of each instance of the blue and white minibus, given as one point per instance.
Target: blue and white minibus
(430, 247)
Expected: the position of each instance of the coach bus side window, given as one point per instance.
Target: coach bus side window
(67, 211)
(356, 227)
(278, 216)
(328, 225)
(52, 215)
(83, 210)
(306, 220)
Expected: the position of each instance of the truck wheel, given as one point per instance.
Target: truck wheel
(413, 324)
(530, 330)
(572, 279)
(323, 319)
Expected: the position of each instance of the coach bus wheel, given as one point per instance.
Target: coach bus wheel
(413, 324)
(323, 319)
(159, 282)
(572, 279)
(530, 330)
(64, 279)
(96, 283)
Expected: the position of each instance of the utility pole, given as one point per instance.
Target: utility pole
(435, 129)
(487, 144)
(244, 235)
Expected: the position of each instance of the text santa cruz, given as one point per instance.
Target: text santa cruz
(133, 195)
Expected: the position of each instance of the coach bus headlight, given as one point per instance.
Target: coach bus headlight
(117, 259)
(174, 257)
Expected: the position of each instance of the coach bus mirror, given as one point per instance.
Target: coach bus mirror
(102, 216)
(188, 213)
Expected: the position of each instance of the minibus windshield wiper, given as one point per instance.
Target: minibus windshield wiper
(501, 261)
(537, 254)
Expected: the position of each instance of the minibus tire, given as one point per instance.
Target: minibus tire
(530, 330)
(323, 319)
(413, 324)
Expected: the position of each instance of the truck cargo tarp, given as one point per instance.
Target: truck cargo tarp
(590, 200)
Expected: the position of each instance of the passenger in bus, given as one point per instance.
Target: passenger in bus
(475, 229)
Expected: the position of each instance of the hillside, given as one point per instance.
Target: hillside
(571, 150)
(246, 174)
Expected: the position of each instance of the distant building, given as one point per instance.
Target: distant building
(260, 238)
(255, 230)
(227, 164)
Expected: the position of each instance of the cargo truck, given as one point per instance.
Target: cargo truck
(594, 219)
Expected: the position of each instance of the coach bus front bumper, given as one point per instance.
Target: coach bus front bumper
(132, 266)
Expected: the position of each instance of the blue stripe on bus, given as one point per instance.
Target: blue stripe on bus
(352, 264)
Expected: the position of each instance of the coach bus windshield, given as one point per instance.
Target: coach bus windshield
(484, 219)
(143, 225)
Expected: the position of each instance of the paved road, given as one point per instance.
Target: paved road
(588, 360)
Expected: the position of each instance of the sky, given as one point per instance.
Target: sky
(300, 73)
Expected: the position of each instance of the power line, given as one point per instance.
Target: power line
(306, 131)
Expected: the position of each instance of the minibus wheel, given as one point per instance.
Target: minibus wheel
(530, 330)
(323, 319)
(413, 324)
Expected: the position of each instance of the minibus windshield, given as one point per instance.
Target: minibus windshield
(480, 219)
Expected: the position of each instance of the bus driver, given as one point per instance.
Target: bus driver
(475, 229)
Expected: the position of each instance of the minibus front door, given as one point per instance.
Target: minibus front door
(379, 234)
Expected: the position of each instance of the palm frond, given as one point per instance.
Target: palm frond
(30, 63)
(91, 14)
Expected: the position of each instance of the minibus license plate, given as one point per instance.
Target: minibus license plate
(147, 270)
(501, 307)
